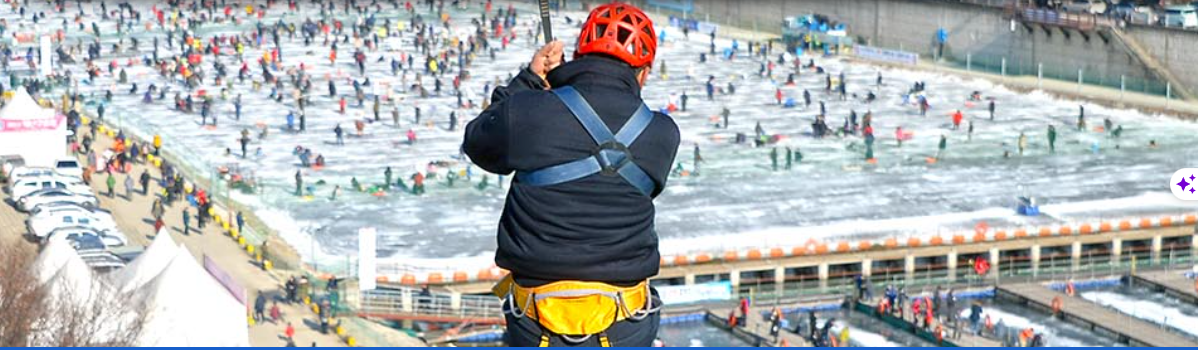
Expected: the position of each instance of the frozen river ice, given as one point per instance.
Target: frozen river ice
(737, 201)
(1143, 303)
(1056, 333)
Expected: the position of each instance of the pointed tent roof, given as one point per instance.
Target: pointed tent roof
(148, 265)
(65, 273)
(188, 307)
(53, 257)
(22, 106)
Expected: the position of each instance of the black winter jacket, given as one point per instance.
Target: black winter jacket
(598, 228)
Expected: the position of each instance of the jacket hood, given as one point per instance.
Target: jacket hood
(596, 71)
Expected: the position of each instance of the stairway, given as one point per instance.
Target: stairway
(1145, 58)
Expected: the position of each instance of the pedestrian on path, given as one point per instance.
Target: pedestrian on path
(144, 178)
(111, 182)
(260, 307)
(275, 314)
(186, 222)
(290, 333)
(157, 210)
(240, 222)
(201, 217)
(129, 187)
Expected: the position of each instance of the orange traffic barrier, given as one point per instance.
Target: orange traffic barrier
(1191, 219)
(776, 253)
(843, 247)
(485, 275)
(1104, 227)
(913, 242)
(381, 279)
(408, 279)
(435, 278)
(730, 255)
(821, 249)
(1020, 233)
(798, 251)
(1000, 236)
(1145, 223)
(891, 243)
(680, 260)
(754, 254)
(864, 245)
(958, 239)
(937, 240)
(1065, 230)
(979, 237)
(1124, 225)
(702, 258)
(1166, 221)
(1086, 229)
(1045, 232)
(460, 276)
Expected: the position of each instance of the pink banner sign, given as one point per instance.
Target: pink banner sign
(25, 125)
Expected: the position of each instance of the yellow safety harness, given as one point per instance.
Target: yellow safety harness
(576, 310)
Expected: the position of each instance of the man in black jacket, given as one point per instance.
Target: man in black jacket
(581, 206)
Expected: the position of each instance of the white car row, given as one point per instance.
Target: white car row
(62, 207)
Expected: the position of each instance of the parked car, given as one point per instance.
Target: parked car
(41, 197)
(25, 186)
(1183, 16)
(1133, 13)
(62, 205)
(87, 243)
(21, 173)
(68, 167)
(45, 221)
(1085, 6)
(98, 257)
(75, 233)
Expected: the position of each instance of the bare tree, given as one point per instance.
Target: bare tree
(22, 298)
(59, 314)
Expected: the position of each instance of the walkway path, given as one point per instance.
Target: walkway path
(1133, 330)
(1174, 283)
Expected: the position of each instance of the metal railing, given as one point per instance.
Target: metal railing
(408, 302)
(380, 303)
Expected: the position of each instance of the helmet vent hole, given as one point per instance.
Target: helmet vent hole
(622, 34)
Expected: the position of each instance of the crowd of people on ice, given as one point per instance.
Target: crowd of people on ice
(201, 72)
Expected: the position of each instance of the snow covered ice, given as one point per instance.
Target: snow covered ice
(1153, 307)
(1056, 333)
(737, 201)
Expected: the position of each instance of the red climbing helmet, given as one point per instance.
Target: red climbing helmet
(621, 31)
